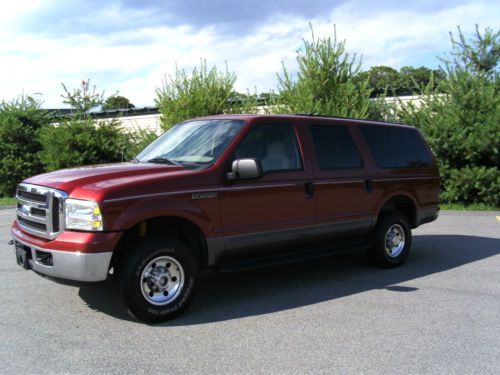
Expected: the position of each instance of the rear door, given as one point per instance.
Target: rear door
(275, 211)
(342, 190)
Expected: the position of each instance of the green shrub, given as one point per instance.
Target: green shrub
(460, 119)
(472, 185)
(74, 142)
(140, 139)
(327, 82)
(117, 102)
(203, 93)
(20, 123)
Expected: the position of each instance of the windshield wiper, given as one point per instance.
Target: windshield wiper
(135, 160)
(162, 160)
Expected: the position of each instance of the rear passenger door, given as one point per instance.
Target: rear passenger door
(342, 190)
(261, 214)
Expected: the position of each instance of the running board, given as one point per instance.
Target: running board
(297, 256)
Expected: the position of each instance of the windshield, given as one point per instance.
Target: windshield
(194, 143)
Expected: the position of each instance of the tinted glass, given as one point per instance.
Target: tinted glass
(195, 143)
(335, 148)
(274, 145)
(396, 147)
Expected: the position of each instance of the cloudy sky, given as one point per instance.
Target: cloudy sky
(131, 45)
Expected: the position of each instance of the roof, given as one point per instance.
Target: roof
(305, 116)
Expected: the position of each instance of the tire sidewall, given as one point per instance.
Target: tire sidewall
(378, 250)
(131, 280)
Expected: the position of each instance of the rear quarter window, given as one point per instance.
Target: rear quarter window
(395, 147)
(334, 147)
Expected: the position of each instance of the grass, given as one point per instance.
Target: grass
(468, 207)
(7, 201)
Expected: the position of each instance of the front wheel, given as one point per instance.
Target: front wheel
(391, 240)
(158, 280)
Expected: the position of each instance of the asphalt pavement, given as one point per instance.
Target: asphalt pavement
(437, 314)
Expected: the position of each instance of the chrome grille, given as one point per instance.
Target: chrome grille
(40, 210)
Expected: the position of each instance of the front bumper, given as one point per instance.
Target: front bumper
(70, 265)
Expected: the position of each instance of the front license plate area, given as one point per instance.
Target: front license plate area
(22, 256)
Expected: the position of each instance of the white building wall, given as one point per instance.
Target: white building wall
(151, 122)
(143, 122)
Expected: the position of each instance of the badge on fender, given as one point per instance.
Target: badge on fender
(207, 195)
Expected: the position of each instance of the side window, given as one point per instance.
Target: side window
(394, 147)
(335, 148)
(274, 145)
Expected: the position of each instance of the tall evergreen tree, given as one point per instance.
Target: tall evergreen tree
(461, 119)
(326, 81)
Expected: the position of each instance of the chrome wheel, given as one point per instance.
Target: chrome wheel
(394, 240)
(162, 280)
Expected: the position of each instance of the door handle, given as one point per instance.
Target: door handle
(309, 189)
(368, 185)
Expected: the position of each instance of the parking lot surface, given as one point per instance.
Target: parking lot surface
(439, 313)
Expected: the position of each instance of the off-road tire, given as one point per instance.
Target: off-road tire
(131, 284)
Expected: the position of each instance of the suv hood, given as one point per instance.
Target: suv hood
(84, 182)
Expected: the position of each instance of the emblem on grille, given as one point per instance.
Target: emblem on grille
(24, 210)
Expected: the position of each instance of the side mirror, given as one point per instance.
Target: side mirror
(244, 169)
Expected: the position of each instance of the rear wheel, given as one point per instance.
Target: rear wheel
(391, 240)
(158, 279)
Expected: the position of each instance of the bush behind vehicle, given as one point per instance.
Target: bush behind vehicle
(20, 123)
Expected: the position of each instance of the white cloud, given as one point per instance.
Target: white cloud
(401, 37)
(13, 9)
(134, 61)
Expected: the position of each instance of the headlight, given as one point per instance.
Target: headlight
(82, 215)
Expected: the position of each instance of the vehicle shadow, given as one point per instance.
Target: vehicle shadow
(225, 296)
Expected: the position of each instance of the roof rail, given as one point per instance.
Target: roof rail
(315, 114)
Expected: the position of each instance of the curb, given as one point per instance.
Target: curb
(7, 207)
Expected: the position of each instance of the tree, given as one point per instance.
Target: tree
(83, 99)
(20, 123)
(460, 118)
(477, 56)
(82, 141)
(382, 79)
(117, 102)
(204, 92)
(326, 81)
(414, 79)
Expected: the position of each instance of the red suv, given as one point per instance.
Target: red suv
(228, 191)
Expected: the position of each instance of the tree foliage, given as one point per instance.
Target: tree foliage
(117, 102)
(204, 92)
(480, 55)
(414, 79)
(82, 141)
(459, 112)
(384, 80)
(84, 98)
(461, 119)
(20, 123)
(326, 81)
(381, 79)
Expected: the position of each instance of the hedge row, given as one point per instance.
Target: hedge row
(30, 143)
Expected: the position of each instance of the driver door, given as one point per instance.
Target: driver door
(275, 211)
